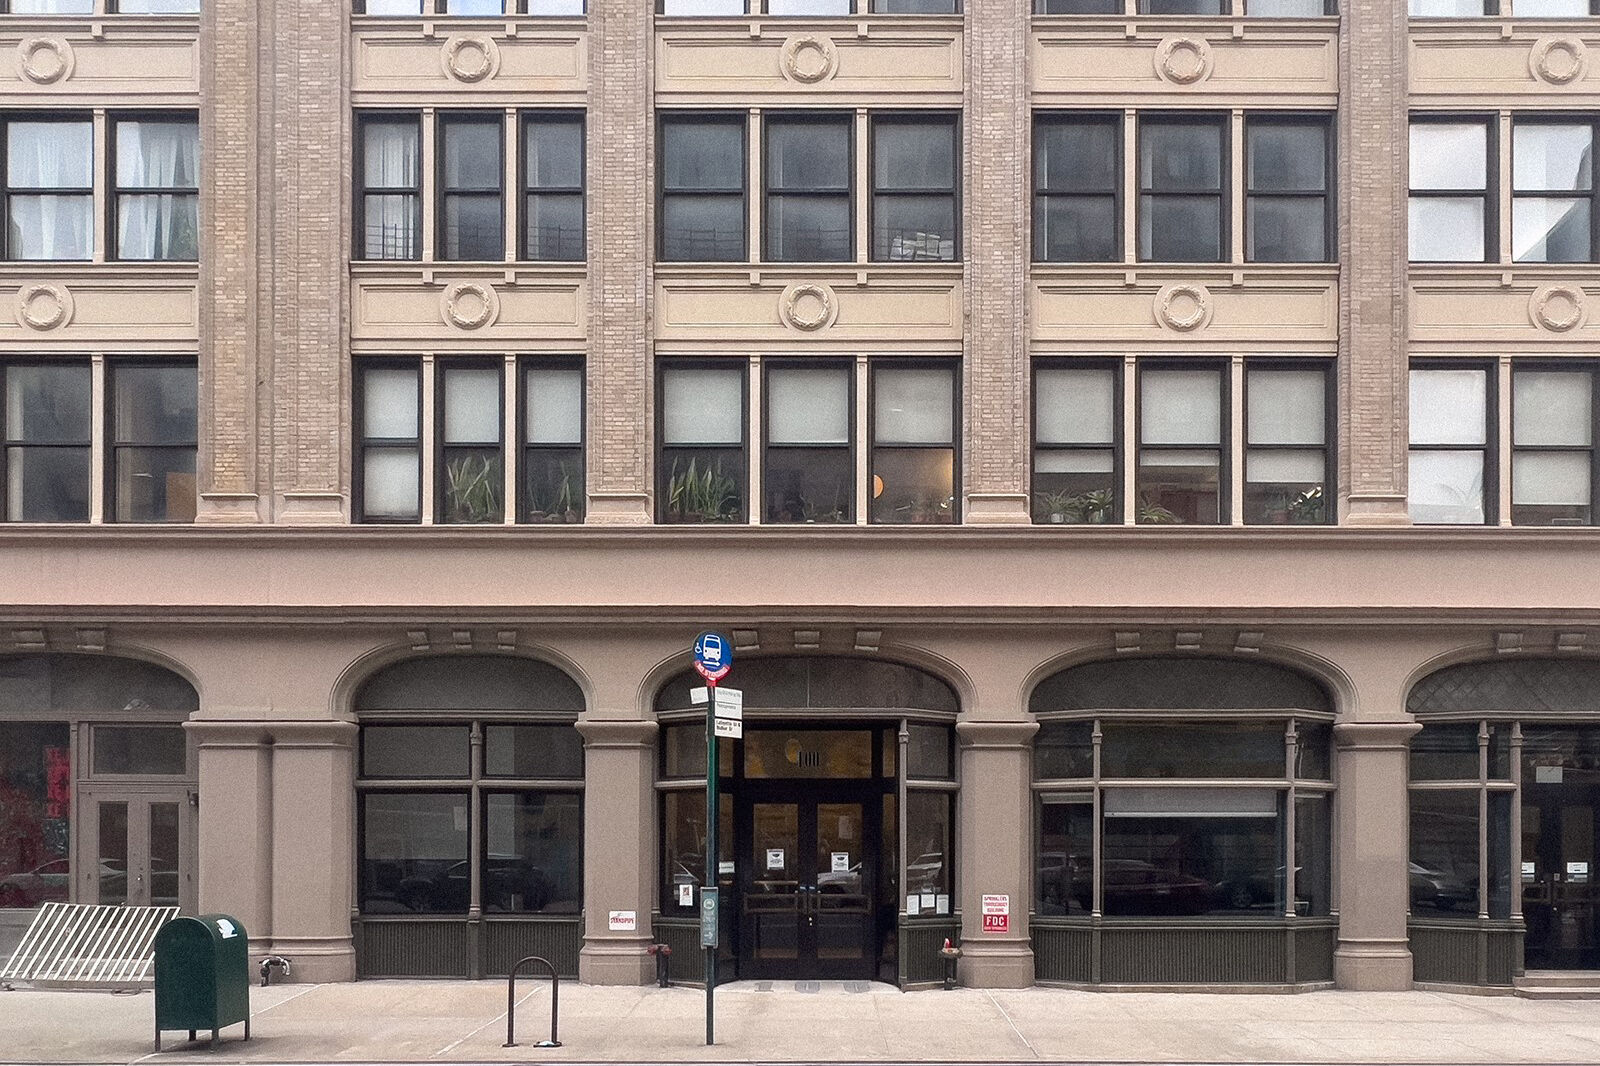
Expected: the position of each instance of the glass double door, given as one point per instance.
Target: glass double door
(1560, 894)
(808, 881)
(137, 848)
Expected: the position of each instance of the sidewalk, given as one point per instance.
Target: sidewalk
(459, 1021)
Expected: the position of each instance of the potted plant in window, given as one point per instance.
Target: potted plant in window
(1155, 514)
(1307, 508)
(1056, 507)
(1095, 507)
(696, 495)
(472, 489)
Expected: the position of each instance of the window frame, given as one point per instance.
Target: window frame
(527, 191)
(1041, 196)
(1221, 122)
(1116, 444)
(364, 443)
(115, 190)
(947, 120)
(1489, 194)
(442, 193)
(1223, 447)
(442, 366)
(1329, 448)
(845, 364)
(666, 117)
(663, 473)
(1556, 118)
(527, 364)
(955, 365)
(113, 445)
(8, 443)
(820, 117)
(1592, 449)
(361, 253)
(1321, 121)
(1491, 436)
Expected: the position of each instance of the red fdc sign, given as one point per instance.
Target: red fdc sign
(997, 923)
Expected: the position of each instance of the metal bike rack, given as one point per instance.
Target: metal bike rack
(511, 1002)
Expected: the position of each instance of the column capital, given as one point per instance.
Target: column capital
(1014, 735)
(1374, 736)
(617, 732)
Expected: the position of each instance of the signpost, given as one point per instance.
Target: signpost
(713, 658)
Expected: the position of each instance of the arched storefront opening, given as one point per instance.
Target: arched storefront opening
(1169, 797)
(836, 843)
(1505, 820)
(469, 799)
(96, 779)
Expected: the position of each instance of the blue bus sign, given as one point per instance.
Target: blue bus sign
(713, 657)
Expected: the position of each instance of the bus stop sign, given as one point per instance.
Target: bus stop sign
(713, 657)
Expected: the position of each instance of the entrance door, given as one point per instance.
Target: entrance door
(1559, 900)
(137, 849)
(807, 887)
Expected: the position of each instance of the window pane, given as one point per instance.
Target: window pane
(1180, 229)
(1449, 8)
(1076, 156)
(51, 7)
(532, 853)
(702, 228)
(158, 155)
(702, 7)
(158, 227)
(1288, 158)
(1444, 854)
(1550, 230)
(1449, 155)
(808, 229)
(471, 405)
(49, 155)
(702, 405)
(553, 225)
(414, 853)
(472, 155)
(47, 404)
(1291, 9)
(913, 405)
(914, 7)
(140, 750)
(1446, 488)
(1314, 751)
(36, 779)
(390, 403)
(808, 405)
(1552, 8)
(702, 154)
(1179, 486)
(552, 485)
(1074, 406)
(155, 404)
(808, 7)
(113, 854)
(472, 483)
(554, 153)
(1313, 837)
(1180, 406)
(553, 406)
(475, 7)
(928, 843)
(391, 225)
(1552, 407)
(703, 484)
(1064, 859)
(47, 484)
(1180, 156)
(1079, 485)
(1287, 229)
(1183, 7)
(390, 155)
(393, 7)
(158, 7)
(1076, 229)
(155, 484)
(683, 844)
(1447, 406)
(555, 7)
(1201, 749)
(809, 485)
(913, 155)
(914, 228)
(50, 227)
(1445, 753)
(415, 751)
(1286, 406)
(1446, 229)
(391, 479)
(1284, 487)
(913, 485)
(1063, 750)
(1552, 158)
(1192, 864)
(1550, 479)
(473, 227)
(929, 752)
(808, 155)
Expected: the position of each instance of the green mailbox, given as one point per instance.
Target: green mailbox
(202, 975)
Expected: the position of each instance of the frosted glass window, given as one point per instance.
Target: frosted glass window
(51, 7)
(808, 405)
(1181, 407)
(475, 7)
(1551, 9)
(1074, 462)
(158, 7)
(390, 406)
(1285, 9)
(1447, 9)
(1448, 406)
(394, 7)
(1449, 156)
(1446, 229)
(702, 406)
(808, 7)
(391, 483)
(702, 7)
(471, 406)
(913, 406)
(1552, 407)
(1550, 229)
(1547, 157)
(1287, 407)
(554, 406)
(1543, 479)
(1271, 465)
(1446, 488)
(1074, 406)
(555, 7)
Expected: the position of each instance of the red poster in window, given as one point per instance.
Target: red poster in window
(997, 923)
(58, 783)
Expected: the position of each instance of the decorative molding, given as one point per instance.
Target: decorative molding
(808, 307)
(469, 305)
(1557, 308)
(1508, 642)
(1183, 60)
(45, 60)
(44, 307)
(1184, 307)
(462, 639)
(419, 639)
(1558, 60)
(807, 639)
(1573, 641)
(1248, 641)
(1187, 640)
(746, 640)
(1126, 641)
(809, 59)
(868, 639)
(470, 59)
(93, 639)
(506, 639)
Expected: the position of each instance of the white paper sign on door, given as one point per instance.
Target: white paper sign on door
(841, 862)
(686, 895)
(775, 859)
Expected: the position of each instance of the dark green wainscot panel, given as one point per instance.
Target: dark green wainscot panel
(202, 975)
(456, 947)
(1486, 953)
(921, 964)
(1115, 952)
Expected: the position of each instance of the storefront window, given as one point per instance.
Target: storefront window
(1063, 750)
(35, 813)
(531, 855)
(1459, 771)
(928, 866)
(1444, 853)
(154, 750)
(1193, 749)
(1064, 856)
(414, 853)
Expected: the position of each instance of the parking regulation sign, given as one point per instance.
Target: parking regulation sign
(713, 657)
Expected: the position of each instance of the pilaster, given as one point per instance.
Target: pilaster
(619, 824)
(235, 853)
(993, 850)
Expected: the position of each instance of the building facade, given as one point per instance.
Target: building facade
(1141, 452)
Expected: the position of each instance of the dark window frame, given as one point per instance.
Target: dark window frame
(1223, 447)
(115, 191)
(113, 446)
(1330, 169)
(8, 442)
(7, 193)
(666, 118)
(443, 194)
(364, 443)
(1585, 366)
(1221, 122)
(1118, 431)
(525, 451)
(361, 252)
(1548, 118)
(1329, 448)
(1042, 196)
(663, 472)
(848, 365)
(441, 447)
(1489, 194)
(954, 365)
(950, 120)
(820, 118)
(525, 121)
(1491, 434)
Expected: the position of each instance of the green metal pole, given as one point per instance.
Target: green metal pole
(712, 853)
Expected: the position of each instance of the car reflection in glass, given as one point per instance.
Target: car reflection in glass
(1133, 886)
(509, 884)
(1438, 890)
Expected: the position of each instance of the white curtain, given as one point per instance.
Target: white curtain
(51, 155)
(157, 155)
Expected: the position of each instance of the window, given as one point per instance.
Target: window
(788, 8)
(914, 165)
(158, 189)
(808, 163)
(914, 419)
(49, 187)
(1286, 195)
(702, 188)
(1182, 217)
(552, 173)
(471, 456)
(1077, 181)
(473, 471)
(1459, 771)
(46, 433)
(471, 174)
(155, 7)
(36, 779)
(48, 7)
(470, 7)
(390, 199)
(1449, 213)
(1076, 476)
(552, 441)
(1450, 445)
(154, 441)
(1181, 445)
(808, 467)
(1552, 191)
(1183, 7)
(1286, 455)
(1552, 446)
(702, 470)
(1077, 7)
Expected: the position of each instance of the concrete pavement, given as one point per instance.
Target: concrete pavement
(464, 1021)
